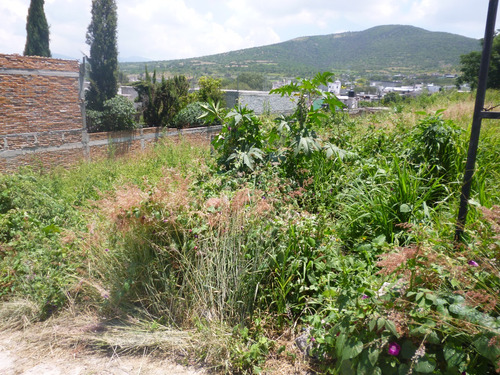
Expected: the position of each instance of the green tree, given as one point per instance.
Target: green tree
(162, 100)
(210, 90)
(392, 97)
(469, 66)
(254, 81)
(470, 63)
(102, 39)
(37, 31)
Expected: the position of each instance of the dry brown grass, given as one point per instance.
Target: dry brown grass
(18, 314)
(87, 331)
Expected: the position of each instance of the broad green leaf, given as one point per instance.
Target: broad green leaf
(483, 347)
(425, 364)
(346, 368)
(364, 365)
(373, 356)
(380, 323)
(339, 344)
(391, 327)
(371, 324)
(352, 348)
(408, 349)
(454, 356)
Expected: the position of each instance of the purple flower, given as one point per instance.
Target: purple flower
(472, 263)
(106, 250)
(394, 349)
(364, 296)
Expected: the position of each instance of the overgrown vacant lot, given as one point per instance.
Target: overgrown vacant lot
(317, 242)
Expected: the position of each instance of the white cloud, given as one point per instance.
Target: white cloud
(173, 29)
(12, 29)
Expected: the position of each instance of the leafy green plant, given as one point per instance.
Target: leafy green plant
(300, 127)
(250, 348)
(118, 114)
(190, 116)
(436, 141)
(240, 141)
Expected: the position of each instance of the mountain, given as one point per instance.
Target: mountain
(388, 49)
(132, 59)
(64, 57)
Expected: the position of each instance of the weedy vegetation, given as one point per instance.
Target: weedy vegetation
(315, 241)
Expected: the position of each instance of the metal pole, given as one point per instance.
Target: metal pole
(476, 120)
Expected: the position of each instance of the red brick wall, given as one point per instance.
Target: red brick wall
(41, 121)
(34, 97)
(40, 113)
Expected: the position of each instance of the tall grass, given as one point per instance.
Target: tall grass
(43, 218)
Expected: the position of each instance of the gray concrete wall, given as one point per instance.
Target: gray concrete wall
(260, 101)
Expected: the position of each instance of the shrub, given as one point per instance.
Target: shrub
(436, 141)
(189, 116)
(118, 114)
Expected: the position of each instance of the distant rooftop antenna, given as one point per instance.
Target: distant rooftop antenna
(479, 113)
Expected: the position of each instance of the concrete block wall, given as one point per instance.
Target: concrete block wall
(260, 101)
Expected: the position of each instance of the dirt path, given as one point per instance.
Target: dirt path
(13, 361)
(62, 348)
(17, 359)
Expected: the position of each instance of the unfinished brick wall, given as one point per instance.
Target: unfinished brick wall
(40, 114)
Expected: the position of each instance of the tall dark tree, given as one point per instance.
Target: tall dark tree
(37, 31)
(103, 59)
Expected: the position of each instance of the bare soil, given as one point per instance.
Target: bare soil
(84, 343)
(85, 346)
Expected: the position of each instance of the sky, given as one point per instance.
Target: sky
(177, 29)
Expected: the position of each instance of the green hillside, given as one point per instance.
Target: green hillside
(390, 49)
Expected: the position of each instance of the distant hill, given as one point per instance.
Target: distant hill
(132, 59)
(383, 49)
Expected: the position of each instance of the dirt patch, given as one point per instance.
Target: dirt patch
(15, 360)
(84, 345)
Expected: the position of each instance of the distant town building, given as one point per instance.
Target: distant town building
(335, 87)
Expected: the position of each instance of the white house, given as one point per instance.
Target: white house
(335, 87)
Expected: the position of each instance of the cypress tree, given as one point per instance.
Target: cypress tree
(37, 31)
(103, 60)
